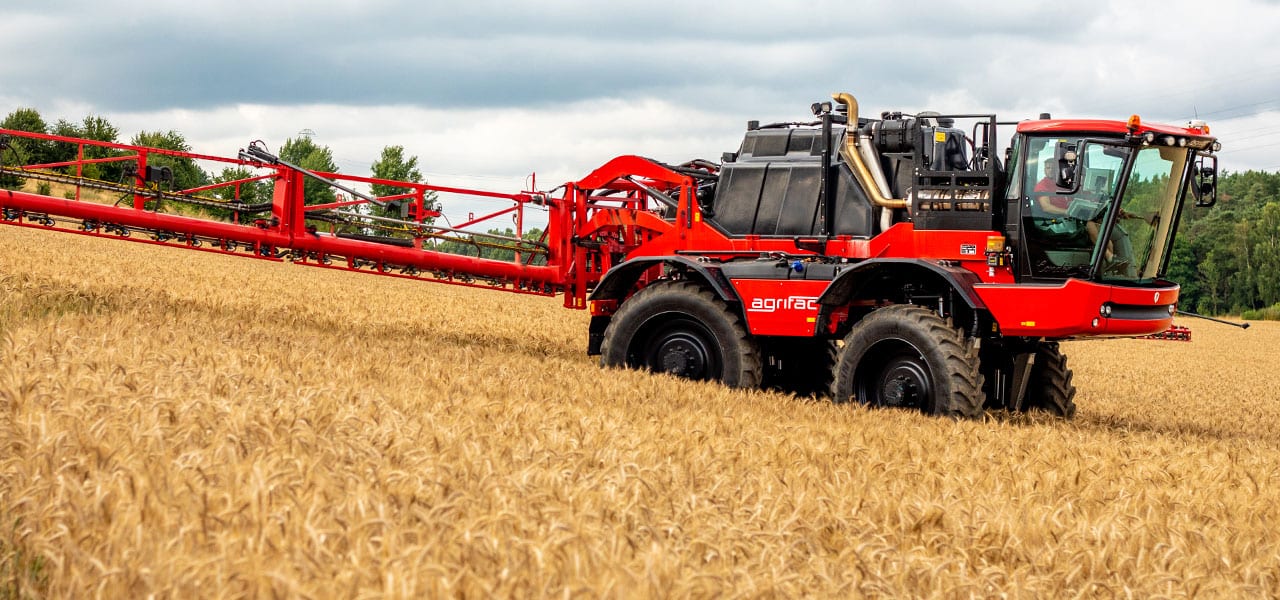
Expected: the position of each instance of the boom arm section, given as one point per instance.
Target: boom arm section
(592, 226)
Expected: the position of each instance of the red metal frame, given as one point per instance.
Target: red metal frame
(1177, 333)
(616, 224)
(1074, 307)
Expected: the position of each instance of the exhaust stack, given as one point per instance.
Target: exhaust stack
(852, 156)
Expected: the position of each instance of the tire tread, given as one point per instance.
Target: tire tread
(1051, 389)
(749, 373)
(961, 365)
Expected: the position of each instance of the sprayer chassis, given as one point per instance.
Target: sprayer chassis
(670, 284)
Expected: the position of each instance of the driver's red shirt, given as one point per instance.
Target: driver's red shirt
(1048, 185)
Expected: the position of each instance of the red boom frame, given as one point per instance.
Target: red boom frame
(604, 215)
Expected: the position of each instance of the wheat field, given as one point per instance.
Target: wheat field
(181, 424)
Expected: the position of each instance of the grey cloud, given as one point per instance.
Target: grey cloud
(496, 54)
(752, 59)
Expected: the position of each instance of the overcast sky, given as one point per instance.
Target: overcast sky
(487, 92)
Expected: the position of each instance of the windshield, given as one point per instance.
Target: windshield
(1064, 230)
(1145, 224)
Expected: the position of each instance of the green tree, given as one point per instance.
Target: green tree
(186, 174)
(393, 165)
(487, 246)
(1242, 282)
(23, 151)
(304, 153)
(253, 192)
(1266, 236)
(1235, 245)
(1212, 277)
(94, 128)
(1182, 270)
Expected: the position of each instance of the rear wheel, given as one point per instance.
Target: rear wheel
(1050, 388)
(908, 357)
(682, 328)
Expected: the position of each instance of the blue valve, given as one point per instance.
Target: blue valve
(797, 266)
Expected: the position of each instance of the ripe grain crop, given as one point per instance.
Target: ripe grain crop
(181, 424)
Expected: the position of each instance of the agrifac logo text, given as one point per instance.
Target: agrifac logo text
(768, 305)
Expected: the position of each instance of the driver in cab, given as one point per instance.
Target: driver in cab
(1052, 205)
(1056, 207)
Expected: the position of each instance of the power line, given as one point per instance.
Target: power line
(1252, 74)
(1257, 146)
(1236, 112)
(365, 165)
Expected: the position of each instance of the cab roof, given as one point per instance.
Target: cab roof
(1105, 126)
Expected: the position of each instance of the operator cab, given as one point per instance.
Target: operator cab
(1101, 200)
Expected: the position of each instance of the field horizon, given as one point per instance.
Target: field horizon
(186, 424)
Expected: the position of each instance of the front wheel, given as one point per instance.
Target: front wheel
(908, 357)
(1050, 388)
(682, 328)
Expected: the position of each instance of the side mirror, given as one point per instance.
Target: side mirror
(1067, 170)
(1204, 180)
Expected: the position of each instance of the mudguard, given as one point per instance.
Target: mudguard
(619, 281)
(616, 284)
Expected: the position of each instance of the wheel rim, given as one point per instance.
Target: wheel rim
(894, 374)
(682, 347)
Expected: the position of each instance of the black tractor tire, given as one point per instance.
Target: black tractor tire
(801, 366)
(909, 357)
(684, 329)
(1049, 388)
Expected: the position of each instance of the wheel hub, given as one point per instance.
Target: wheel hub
(904, 383)
(683, 357)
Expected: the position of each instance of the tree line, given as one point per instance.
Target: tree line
(392, 164)
(1227, 258)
